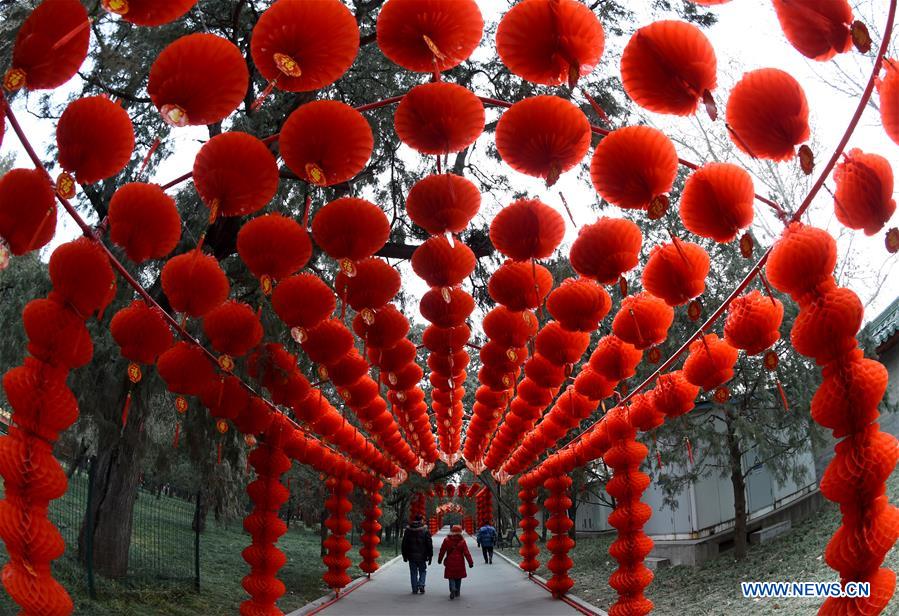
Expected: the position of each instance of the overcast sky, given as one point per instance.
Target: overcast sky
(747, 36)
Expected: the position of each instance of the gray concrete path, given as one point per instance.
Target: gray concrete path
(489, 590)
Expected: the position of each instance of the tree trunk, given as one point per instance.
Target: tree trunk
(738, 481)
(116, 477)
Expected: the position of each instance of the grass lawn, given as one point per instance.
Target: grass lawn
(163, 540)
(714, 588)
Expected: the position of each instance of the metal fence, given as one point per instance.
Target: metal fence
(164, 544)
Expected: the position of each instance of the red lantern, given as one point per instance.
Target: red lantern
(827, 325)
(186, 369)
(818, 30)
(82, 276)
(550, 42)
(446, 339)
(674, 395)
(606, 249)
(767, 114)
(27, 210)
(328, 341)
(669, 67)
(56, 335)
(802, 258)
(717, 201)
(543, 136)
(429, 35)
(634, 166)
(199, 79)
(643, 414)
(149, 12)
(527, 229)
(232, 328)
(50, 46)
(273, 247)
(643, 320)
(439, 118)
(374, 284)
(579, 304)
(326, 142)
(442, 264)
(194, 283)
(710, 362)
(615, 359)
(520, 286)
(447, 307)
(350, 229)
(561, 346)
(888, 88)
(443, 203)
(753, 322)
(303, 301)
(382, 328)
(303, 46)
(141, 332)
(144, 221)
(864, 191)
(95, 139)
(510, 328)
(235, 174)
(676, 272)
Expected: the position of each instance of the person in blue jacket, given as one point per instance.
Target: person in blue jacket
(486, 540)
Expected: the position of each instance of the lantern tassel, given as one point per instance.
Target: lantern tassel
(177, 436)
(783, 395)
(125, 408)
(146, 161)
(218, 457)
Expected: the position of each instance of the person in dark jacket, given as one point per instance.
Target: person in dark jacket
(453, 554)
(418, 551)
(486, 540)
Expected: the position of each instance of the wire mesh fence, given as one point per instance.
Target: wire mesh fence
(163, 543)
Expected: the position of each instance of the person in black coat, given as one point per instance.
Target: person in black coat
(418, 551)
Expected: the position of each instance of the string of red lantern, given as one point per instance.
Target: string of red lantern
(846, 402)
(42, 407)
(264, 525)
(529, 549)
(371, 527)
(624, 456)
(558, 523)
(337, 545)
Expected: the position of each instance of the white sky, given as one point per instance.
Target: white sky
(746, 37)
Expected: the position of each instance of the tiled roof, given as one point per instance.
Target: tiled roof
(886, 324)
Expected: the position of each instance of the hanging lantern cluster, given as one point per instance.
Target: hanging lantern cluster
(801, 264)
(338, 505)
(418, 506)
(484, 507)
(526, 231)
(277, 370)
(558, 523)
(528, 524)
(384, 334)
(444, 262)
(42, 407)
(625, 456)
(371, 528)
(263, 523)
(468, 525)
(578, 305)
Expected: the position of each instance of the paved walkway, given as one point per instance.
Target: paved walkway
(489, 590)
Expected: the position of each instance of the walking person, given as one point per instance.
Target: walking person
(486, 541)
(453, 554)
(418, 550)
